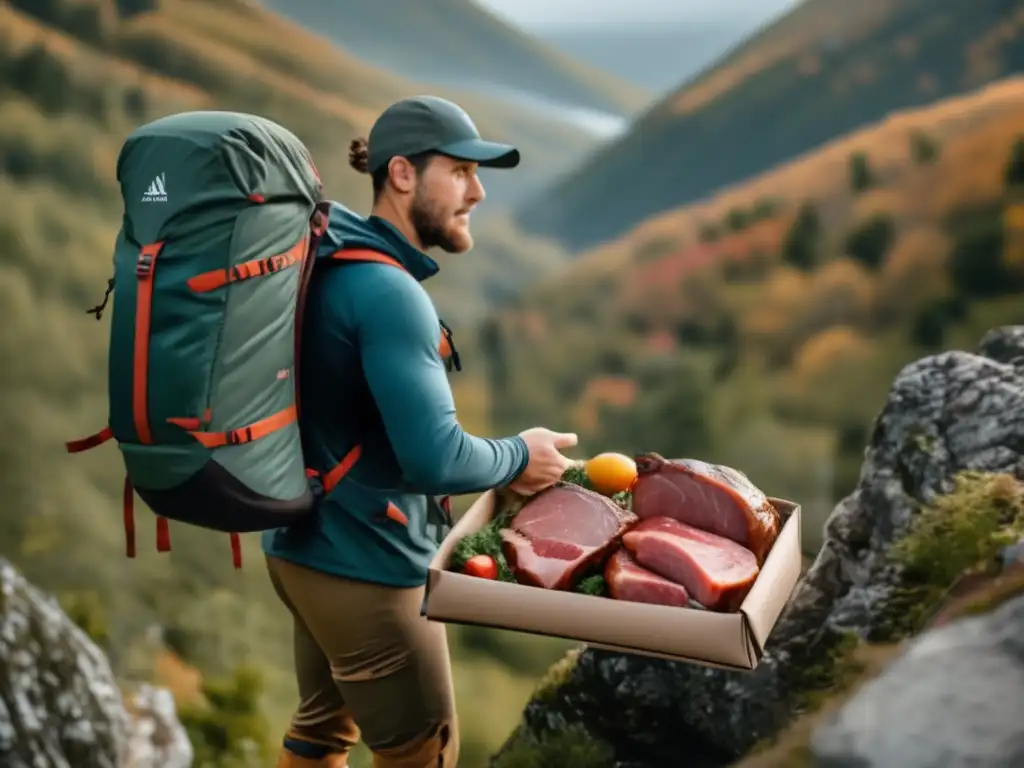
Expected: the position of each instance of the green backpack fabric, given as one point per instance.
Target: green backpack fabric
(222, 212)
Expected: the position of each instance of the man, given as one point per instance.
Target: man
(373, 376)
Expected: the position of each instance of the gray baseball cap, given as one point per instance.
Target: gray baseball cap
(431, 124)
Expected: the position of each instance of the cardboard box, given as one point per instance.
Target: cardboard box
(728, 640)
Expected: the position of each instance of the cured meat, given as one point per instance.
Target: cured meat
(561, 534)
(629, 581)
(716, 571)
(711, 497)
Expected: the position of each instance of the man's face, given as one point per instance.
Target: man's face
(446, 192)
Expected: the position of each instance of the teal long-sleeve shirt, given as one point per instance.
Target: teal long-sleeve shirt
(373, 375)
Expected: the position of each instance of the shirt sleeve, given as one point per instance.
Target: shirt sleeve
(398, 333)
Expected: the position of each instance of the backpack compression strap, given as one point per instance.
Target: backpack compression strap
(202, 283)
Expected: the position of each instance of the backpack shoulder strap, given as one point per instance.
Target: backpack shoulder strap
(363, 255)
(449, 354)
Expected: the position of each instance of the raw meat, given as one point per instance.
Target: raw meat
(716, 571)
(711, 497)
(561, 534)
(629, 581)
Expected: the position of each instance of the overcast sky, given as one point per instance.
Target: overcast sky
(538, 13)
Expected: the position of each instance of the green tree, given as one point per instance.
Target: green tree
(737, 219)
(765, 208)
(228, 728)
(709, 232)
(128, 8)
(39, 74)
(802, 245)
(669, 417)
(976, 261)
(861, 176)
(928, 327)
(1014, 174)
(871, 240)
(924, 150)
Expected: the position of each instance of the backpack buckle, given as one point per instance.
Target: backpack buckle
(144, 266)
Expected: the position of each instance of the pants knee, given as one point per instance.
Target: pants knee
(436, 747)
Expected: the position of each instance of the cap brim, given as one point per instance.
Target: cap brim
(489, 154)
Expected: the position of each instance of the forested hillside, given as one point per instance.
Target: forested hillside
(826, 68)
(763, 326)
(75, 77)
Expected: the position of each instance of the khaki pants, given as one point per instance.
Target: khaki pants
(368, 665)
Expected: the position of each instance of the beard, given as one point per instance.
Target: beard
(436, 227)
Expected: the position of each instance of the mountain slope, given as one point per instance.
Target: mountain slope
(458, 42)
(652, 56)
(761, 327)
(823, 69)
(72, 85)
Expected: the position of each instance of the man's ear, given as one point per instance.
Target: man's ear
(401, 174)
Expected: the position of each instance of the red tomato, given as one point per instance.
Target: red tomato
(483, 566)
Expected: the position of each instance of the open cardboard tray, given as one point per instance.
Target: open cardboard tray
(727, 640)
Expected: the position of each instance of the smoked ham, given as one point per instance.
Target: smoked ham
(628, 580)
(716, 572)
(561, 534)
(711, 497)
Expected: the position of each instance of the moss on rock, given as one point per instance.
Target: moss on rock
(856, 663)
(959, 534)
(985, 597)
(556, 676)
(963, 530)
(836, 671)
(572, 747)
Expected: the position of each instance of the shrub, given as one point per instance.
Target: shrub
(861, 176)
(765, 208)
(871, 240)
(976, 261)
(737, 219)
(1014, 173)
(929, 324)
(709, 232)
(802, 245)
(228, 728)
(924, 150)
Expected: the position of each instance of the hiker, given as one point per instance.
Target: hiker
(378, 422)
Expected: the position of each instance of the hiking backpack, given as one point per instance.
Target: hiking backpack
(222, 213)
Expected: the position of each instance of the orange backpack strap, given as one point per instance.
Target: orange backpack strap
(446, 346)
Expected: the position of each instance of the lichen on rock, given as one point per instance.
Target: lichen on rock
(950, 435)
(60, 704)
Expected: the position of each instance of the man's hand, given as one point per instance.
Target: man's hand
(546, 464)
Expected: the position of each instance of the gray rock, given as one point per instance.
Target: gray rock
(157, 739)
(1004, 345)
(60, 704)
(956, 694)
(945, 414)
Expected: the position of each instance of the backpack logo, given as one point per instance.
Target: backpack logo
(157, 192)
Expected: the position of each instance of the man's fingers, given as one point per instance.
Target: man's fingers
(565, 440)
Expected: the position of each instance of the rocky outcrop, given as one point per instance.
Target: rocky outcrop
(60, 705)
(156, 738)
(1004, 345)
(945, 415)
(955, 694)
